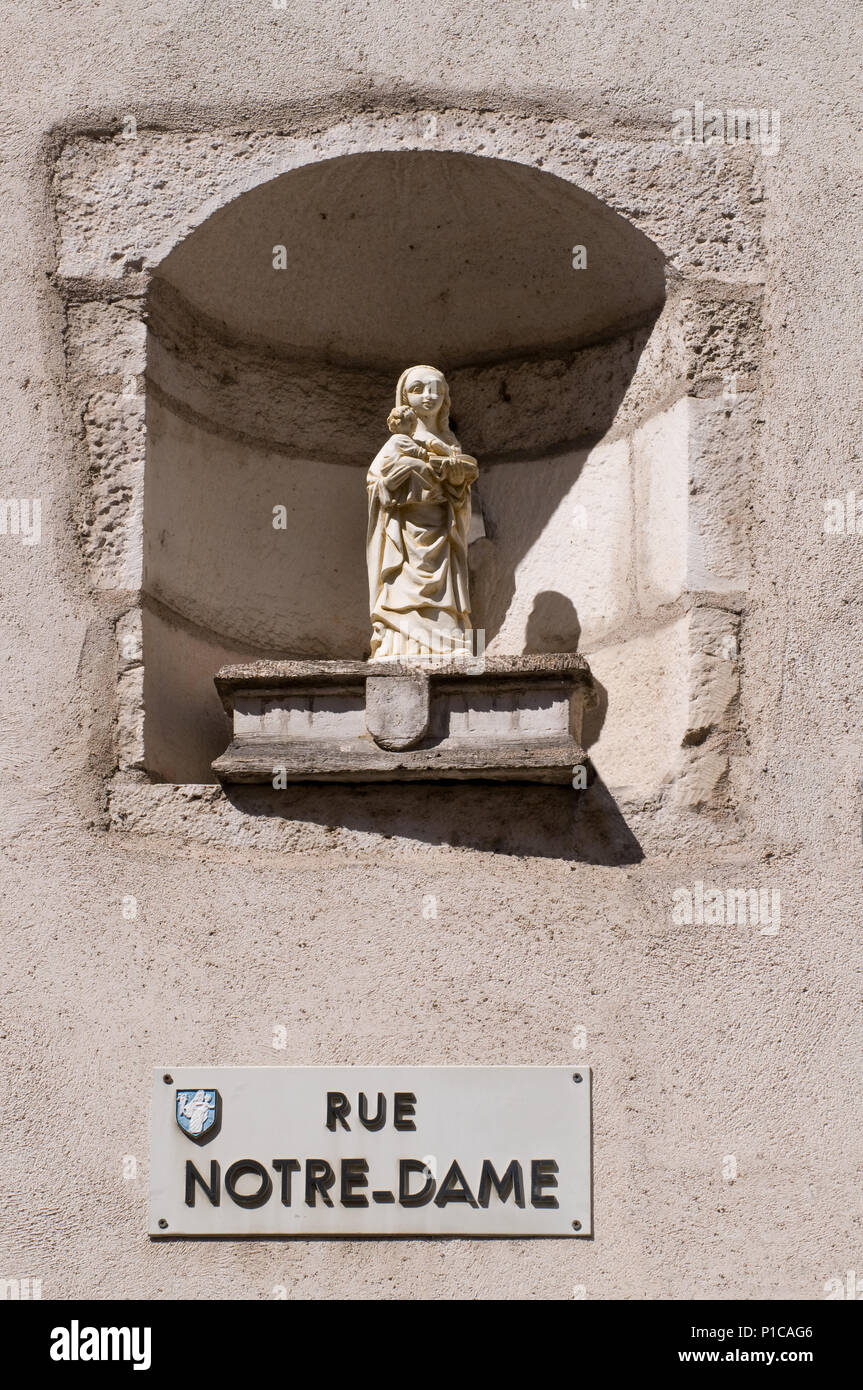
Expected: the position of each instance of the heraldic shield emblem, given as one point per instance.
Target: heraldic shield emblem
(199, 1114)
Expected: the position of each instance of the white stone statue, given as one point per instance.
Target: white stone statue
(419, 518)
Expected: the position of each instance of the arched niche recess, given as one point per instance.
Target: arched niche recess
(269, 387)
(613, 409)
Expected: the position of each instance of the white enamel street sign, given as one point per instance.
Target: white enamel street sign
(371, 1151)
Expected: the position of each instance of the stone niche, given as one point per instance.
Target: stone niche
(610, 407)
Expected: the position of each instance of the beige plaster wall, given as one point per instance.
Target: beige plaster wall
(706, 1041)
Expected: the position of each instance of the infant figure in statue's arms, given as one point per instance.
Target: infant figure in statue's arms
(402, 421)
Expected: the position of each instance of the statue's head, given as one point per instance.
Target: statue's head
(424, 391)
(402, 420)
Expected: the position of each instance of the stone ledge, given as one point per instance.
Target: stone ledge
(256, 760)
(258, 675)
(499, 718)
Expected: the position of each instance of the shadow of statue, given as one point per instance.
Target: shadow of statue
(553, 624)
(542, 481)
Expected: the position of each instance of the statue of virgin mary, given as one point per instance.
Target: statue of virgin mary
(419, 517)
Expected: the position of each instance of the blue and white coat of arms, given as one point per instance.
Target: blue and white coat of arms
(199, 1114)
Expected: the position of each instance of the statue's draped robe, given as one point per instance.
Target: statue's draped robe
(417, 555)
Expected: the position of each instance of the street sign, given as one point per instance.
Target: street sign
(371, 1151)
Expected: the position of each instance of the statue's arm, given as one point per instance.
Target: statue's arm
(398, 459)
(459, 469)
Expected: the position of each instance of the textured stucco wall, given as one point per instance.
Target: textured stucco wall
(706, 1041)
